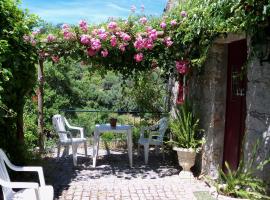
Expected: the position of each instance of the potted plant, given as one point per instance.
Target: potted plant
(113, 119)
(186, 135)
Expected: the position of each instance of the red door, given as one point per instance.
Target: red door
(236, 103)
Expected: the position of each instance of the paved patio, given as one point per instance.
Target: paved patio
(113, 179)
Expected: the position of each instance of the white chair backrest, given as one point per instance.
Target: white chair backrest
(59, 125)
(162, 126)
(4, 174)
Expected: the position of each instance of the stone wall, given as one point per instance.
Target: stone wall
(258, 113)
(208, 91)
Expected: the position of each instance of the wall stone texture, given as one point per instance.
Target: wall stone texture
(208, 92)
(258, 114)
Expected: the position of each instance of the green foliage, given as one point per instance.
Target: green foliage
(17, 74)
(242, 182)
(185, 127)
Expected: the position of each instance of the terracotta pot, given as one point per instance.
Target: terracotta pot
(186, 157)
(113, 122)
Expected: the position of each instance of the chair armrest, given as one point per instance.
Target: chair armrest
(68, 133)
(39, 170)
(79, 129)
(19, 184)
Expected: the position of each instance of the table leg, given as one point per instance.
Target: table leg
(95, 148)
(129, 140)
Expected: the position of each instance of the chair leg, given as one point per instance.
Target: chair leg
(58, 150)
(85, 148)
(138, 152)
(74, 154)
(146, 152)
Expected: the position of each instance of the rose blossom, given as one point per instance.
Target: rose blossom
(133, 8)
(83, 25)
(163, 25)
(104, 53)
(122, 47)
(26, 38)
(183, 13)
(125, 37)
(112, 25)
(153, 34)
(55, 58)
(65, 26)
(173, 22)
(139, 43)
(36, 32)
(85, 39)
(113, 40)
(182, 66)
(91, 52)
(168, 42)
(51, 38)
(143, 20)
(138, 57)
(148, 44)
(95, 44)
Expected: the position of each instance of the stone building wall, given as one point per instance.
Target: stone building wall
(258, 113)
(208, 92)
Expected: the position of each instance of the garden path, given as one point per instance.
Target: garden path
(113, 179)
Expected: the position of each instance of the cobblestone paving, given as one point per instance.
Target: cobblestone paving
(113, 179)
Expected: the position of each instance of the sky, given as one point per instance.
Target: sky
(94, 11)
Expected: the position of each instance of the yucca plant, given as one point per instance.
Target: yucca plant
(185, 127)
(242, 182)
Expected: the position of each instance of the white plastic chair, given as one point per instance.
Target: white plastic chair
(156, 134)
(29, 190)
(60, 123)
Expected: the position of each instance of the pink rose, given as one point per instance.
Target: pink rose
(55, 58)
(168, 42)
(182, 66)
(65, 26)
(95, 44)
(26, 38)
(143, 20)
(153, 34)
(104, 53)
(183, 13)
(85, 39)
(35, 32)
(163, 25)
(112, 25)
(51, 38)
(138, 57)
(83, 25)
(91, 52)
(125, 37)
(68, 35)
(113, 41)
(148, 44)
(133, 8)
(122, 47)
(139, 43)
(173, 22)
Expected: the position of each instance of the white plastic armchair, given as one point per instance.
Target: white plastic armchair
(29, 190)
(156, 134)
(65, 137)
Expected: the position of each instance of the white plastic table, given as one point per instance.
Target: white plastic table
(101, 128)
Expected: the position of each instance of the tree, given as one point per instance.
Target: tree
(17, 71)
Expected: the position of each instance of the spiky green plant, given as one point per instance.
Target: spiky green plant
(185, 127)
(242, 182)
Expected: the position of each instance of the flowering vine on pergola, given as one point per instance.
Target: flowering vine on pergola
(127, 46)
